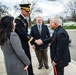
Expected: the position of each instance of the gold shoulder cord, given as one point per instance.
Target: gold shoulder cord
(30, 39)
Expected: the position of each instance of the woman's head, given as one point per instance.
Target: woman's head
(6, 27)
(7, 23)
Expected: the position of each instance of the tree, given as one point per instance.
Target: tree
(33, 11)
(71, 10)
(3, 9)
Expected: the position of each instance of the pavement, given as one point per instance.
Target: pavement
(69, 70)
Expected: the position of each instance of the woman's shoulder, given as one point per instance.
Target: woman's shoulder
(13, 34)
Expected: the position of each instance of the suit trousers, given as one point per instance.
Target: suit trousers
(42, 56)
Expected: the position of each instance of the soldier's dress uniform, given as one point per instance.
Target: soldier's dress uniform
(22, 30)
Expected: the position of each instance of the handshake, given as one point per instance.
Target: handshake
(39, 42)
(33, 40)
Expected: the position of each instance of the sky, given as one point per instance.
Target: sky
(49, 7)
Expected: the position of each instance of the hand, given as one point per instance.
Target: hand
(53, 63)
(49, 44)
(38, 42)
(26, 67)
(33, 46)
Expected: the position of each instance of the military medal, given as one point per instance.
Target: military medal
(24, 24)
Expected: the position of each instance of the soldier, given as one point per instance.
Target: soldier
(22, 30)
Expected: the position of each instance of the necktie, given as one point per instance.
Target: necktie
(39, 29)
(39, 26)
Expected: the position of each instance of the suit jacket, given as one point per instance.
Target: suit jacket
(59, 48)
(44, 35)
(14, 56)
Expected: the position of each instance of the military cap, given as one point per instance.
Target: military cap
(25, 7)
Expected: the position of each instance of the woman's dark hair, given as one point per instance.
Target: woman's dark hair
(6, 26)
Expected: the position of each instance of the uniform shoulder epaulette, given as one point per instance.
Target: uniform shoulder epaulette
(18, 18)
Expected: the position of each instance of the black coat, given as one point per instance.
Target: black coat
(59, 48)
(44, 35)
(22, 30)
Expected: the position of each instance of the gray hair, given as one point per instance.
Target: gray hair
(39, 17)
(57, 20)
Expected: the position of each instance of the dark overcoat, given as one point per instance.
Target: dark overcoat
(59, 48)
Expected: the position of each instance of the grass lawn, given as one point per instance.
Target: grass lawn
(69, 27)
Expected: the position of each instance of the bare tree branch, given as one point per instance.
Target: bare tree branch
(71, 9)
(3, 9)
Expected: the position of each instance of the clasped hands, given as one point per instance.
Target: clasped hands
(39, 42)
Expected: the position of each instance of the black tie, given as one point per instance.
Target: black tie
(39, 26)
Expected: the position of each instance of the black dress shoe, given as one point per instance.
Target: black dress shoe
(46, 66)
(40, 66)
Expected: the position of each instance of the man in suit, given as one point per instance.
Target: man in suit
(40, 31)
(22, 30)
(59, 49)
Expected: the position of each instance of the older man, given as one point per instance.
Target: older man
(40, 31)
(59, 49)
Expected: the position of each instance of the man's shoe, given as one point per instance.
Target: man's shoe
(46, 66)
(40, 66)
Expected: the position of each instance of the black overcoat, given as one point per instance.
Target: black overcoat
(59, 48)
